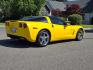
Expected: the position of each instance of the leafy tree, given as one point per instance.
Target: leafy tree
(5, 6)
(39, 4)
(14, 9)
(22, 8)
(56, 12)
(73, 9)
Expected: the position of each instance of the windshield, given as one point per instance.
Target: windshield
(28, 18)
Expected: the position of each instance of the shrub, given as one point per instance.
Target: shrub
(75, 19)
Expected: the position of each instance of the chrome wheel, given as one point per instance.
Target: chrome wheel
(79, 36)
(43, 38)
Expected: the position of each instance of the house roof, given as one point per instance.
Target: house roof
(56, 5)
(89, 7)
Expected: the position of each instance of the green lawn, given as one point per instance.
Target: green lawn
(87, 26)
(2, 25)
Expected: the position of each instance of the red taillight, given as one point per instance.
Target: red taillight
(7, 23)
(20, 25)
(24, 25)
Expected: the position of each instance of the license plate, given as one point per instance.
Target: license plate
(14, 30)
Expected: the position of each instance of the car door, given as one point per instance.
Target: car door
(69, 31)
(58, 28)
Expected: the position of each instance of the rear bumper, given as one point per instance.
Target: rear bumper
(15, 37)
(20, 37)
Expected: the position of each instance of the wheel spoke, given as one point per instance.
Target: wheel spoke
(80, 36)
(44, 38)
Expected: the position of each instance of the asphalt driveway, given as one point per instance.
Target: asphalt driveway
(63, 55)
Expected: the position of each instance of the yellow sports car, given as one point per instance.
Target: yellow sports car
(43, 30)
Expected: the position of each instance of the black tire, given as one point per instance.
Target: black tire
(13, 38)
(79, 35)
(43, 38)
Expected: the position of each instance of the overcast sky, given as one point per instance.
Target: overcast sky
(71, 0)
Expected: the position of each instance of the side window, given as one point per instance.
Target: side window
(57, 20)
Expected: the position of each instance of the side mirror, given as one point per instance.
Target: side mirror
(67, 22)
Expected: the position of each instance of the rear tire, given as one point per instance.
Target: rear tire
(43, 38)
(12, 38)
(79, 35)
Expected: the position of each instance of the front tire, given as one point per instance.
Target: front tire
(43, 38)
(79, 35)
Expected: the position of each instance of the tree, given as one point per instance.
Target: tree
(22, 8)
(15, 9)
(39, 4)
(56, 12)
(5, 6)
(73, 9)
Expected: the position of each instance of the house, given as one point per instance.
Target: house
(86, 7)
(52, 5)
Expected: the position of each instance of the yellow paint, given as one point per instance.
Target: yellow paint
(58, 32)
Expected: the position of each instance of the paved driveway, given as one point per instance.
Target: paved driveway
(63, 55)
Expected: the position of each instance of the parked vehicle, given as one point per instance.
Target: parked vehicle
(43, 30)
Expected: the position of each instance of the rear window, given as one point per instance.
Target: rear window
(38, 19)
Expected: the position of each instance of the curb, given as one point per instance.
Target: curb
(88, 30)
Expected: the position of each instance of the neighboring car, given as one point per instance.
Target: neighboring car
(43, 30)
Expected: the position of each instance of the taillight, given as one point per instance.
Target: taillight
(24, 25)
(7, 23)
(20, 25)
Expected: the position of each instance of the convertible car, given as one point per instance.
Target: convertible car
(43, 29)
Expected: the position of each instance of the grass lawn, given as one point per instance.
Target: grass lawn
(2, 25)
(87, 26)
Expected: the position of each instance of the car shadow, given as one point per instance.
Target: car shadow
(17, 43)
(24, 44)
(61, 41)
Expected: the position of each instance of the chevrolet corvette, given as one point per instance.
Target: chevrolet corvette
(43, 29)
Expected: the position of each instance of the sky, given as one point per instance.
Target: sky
(71, 0)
